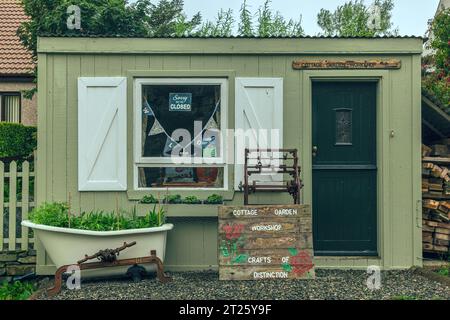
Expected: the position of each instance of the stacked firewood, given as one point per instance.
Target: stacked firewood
(436, 197)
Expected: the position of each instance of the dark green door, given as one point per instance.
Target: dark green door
(344, 168)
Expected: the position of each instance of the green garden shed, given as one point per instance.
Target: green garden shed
(108, 109)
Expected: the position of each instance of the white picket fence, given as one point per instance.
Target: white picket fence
(16, 205)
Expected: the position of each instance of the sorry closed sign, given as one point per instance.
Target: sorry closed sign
(180, 101)
(265, 242)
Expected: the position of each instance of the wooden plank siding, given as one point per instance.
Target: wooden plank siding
(192, 244)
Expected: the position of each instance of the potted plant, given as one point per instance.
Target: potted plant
(192, 200)
(67, 237)
(172, 199)
(214, 199)
(149, 200)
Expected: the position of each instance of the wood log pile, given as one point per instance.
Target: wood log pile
(436, 197)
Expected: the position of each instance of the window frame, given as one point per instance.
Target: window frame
(4, 94)
(189, 162)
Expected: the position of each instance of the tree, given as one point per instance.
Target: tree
(437, 82)
(355, 19)
(104, 17)
(167, 18)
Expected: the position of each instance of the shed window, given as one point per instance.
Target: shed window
(178, 140)
(10, 110)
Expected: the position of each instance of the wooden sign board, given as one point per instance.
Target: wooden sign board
(345, 64)
(265, 242)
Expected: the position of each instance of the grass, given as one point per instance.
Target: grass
(16, 291)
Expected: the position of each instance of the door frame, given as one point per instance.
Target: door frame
(383, 136)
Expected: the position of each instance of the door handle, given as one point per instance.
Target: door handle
(314, 151)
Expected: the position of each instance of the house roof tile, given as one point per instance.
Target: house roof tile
(15, 59)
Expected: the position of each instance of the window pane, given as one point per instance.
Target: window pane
(183, 177)
(343, 126)
(193, 108)
(11, 108)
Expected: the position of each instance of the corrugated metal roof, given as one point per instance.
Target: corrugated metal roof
(87, 35)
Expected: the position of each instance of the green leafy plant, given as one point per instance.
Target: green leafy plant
(173, 199)
(157, 216)
(192, 200)
(51, 214)
(57, 215)
(444, 271)
(16, 291)
(16, 140)
(148, 199)
(214, 199)
(268, 23)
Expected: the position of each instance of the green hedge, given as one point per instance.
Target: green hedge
(16, 140)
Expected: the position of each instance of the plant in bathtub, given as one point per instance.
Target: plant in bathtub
(57, 215)
(68, 237)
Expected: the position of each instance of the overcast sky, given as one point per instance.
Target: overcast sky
(410, 16)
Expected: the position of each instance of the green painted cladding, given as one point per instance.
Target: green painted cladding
(192, 244)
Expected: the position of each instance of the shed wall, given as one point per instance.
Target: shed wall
(192, 244)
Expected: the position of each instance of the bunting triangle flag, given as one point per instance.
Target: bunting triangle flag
(156, 128)
(148, 111)
(211, 124)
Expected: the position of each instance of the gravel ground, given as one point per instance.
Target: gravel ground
(329, 284)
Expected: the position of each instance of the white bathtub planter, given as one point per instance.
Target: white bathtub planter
(66, 246)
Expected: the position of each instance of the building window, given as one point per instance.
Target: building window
(179, 126)
(10, 109)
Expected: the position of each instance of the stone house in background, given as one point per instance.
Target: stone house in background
(16, 66)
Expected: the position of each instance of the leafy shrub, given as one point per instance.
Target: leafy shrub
(57, 215)
(16, 291)
(192, 200)
(16, 140)
(214, 199)
(437, 82)
(173, 199)
(148, 199)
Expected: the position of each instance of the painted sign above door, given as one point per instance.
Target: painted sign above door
(265, 242)
(345, 64)
(180, 101)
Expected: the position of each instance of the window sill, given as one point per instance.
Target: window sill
(136, 195)
(183, 210)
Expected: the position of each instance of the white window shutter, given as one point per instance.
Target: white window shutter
(102, 134)
(259, 105)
